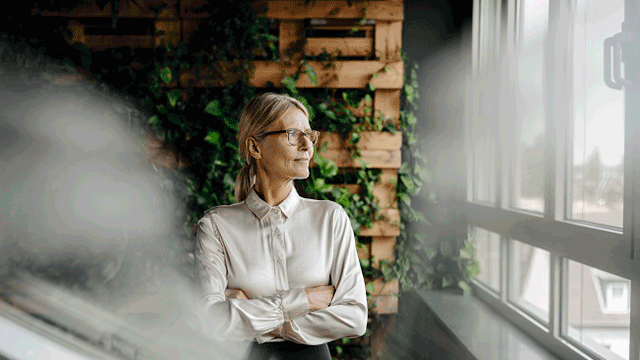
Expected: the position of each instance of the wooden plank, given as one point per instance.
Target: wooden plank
(77, 32)
(291, 36)
(330, 9)
(382, 248)
(388, 40)
(386, 190)
(375, 159)
(380, 287)
(383, 229)
(171, 31)
(138, 9)
(369, 140)
(101, 42)
(189, 26)
(160, 156)
(344, 46)
(347, 74)
(364, 252)
(387, 102)
(383, 304)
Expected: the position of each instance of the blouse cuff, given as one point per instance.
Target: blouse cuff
(294, 304)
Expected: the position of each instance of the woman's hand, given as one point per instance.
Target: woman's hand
(319, 297)
(235, 294)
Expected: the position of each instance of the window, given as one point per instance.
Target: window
(562, 205)
(529, 280)
(597, 149)
(527, 189)
(487, 245)
(597, 310)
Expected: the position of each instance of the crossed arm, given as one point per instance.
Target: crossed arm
(319, 296)
(311, 316)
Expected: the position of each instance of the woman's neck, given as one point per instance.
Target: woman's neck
(273, 193)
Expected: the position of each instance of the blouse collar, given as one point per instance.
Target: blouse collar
(260, 208)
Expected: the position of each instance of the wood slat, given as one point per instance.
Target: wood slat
(364, 252)
(101, 42)
(382, 248)
(386, 190)
(171, 31)
(383, 304)
(291, 33)
(388, 44)
(387, 102)
(376, 159)
(127, 9)
(383, 228)
(369, 140)
(333, 9)
(380, 287)
(362, 47)
(347, 74)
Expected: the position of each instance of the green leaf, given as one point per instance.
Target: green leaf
(154, 120)
(173, 97)
(364, 263)
(166, 74)
(370, 86)
(312, 74)
(464, 286)
(174, 119)
(213, 108)
(447, 281)
(213, 138)
(464, 254)
(370, 288)
(445, 248)
(431, 253)
(290, 84)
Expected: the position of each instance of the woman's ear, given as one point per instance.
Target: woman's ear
(254, 148)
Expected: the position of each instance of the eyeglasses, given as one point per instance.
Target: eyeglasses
(295, 136)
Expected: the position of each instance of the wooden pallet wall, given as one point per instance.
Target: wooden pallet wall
(372, 46)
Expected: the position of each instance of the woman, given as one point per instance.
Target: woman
(277, 268)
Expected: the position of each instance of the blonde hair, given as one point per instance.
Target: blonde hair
(259, 112)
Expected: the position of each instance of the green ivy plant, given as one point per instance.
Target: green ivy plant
(448, 262)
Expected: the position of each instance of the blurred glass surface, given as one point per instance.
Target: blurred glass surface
(487, 245)
(529, 279)
(597, 310)
(596, 181)
(527, 161)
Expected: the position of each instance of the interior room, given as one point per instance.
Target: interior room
(473, 163)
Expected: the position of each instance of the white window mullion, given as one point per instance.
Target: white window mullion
(634, 330)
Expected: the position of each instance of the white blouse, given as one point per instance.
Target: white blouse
(273, 254)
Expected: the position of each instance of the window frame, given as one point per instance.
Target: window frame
(611, 250)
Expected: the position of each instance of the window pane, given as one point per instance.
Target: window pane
(484, 161)
(597, 310)
(528, 157)
(598, 131)
(487, 245)
(529, 279)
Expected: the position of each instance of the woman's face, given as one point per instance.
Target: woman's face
(278, 158)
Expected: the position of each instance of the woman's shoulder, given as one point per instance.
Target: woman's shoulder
(322, 205)
(224, 211)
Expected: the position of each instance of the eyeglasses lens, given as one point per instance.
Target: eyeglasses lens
(295, 136)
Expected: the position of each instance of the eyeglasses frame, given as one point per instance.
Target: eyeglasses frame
(286, 131)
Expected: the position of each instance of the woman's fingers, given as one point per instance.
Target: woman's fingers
(320, 297)
(235, 294)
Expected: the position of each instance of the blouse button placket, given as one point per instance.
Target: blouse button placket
(282, 281)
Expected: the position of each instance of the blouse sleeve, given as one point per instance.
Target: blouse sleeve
(239, 319)
(346, 317)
